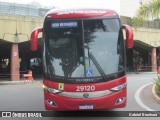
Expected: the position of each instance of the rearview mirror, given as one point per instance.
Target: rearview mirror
(129, 36)
(34, 38)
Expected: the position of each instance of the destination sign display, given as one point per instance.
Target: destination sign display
(64, 24)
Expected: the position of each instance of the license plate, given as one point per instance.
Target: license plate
(85, 107)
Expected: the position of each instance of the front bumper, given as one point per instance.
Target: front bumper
(65, 103)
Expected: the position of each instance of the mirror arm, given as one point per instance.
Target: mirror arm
(129, 36)
(34, 38)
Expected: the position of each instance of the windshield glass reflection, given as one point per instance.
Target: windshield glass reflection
(69, 44)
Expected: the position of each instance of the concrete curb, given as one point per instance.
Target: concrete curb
(138, 72)
(155, 95)
(17, 82)
(138, 98)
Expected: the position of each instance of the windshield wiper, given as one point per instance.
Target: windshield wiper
(99, 68)
(69, 69)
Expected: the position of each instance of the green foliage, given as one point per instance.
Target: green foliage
(129, 21)
(157, 81)
(151, 10)
(156, 20)
(136, 21)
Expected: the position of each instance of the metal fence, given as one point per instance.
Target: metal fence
(22, 9)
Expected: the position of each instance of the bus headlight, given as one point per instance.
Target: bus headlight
(51, 90)
(119, 87)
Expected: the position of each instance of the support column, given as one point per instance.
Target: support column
(15, 62)
(154, 60)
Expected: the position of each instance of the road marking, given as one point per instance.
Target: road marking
(137, 97)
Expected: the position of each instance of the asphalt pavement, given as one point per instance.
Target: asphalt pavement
(143, 94)
(28, 96)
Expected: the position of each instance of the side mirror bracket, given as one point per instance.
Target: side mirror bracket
(34, 38)
(129, 36)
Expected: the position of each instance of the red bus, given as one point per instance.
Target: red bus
(83, 59)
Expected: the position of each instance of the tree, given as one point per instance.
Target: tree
(151, 10)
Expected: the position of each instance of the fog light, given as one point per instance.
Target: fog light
(52, 103)
(120, 100)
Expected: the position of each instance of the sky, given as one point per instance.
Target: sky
(42, 2)
(123, 7)
(110, 4)
(129, 7)
(69, 3)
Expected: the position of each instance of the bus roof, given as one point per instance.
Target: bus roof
(80, 13)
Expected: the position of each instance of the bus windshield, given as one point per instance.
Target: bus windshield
(82, 49)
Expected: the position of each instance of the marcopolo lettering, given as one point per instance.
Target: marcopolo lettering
(82, 11)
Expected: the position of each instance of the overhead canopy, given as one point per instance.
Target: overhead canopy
(141, 46)
(24, 49)
(5, 49)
